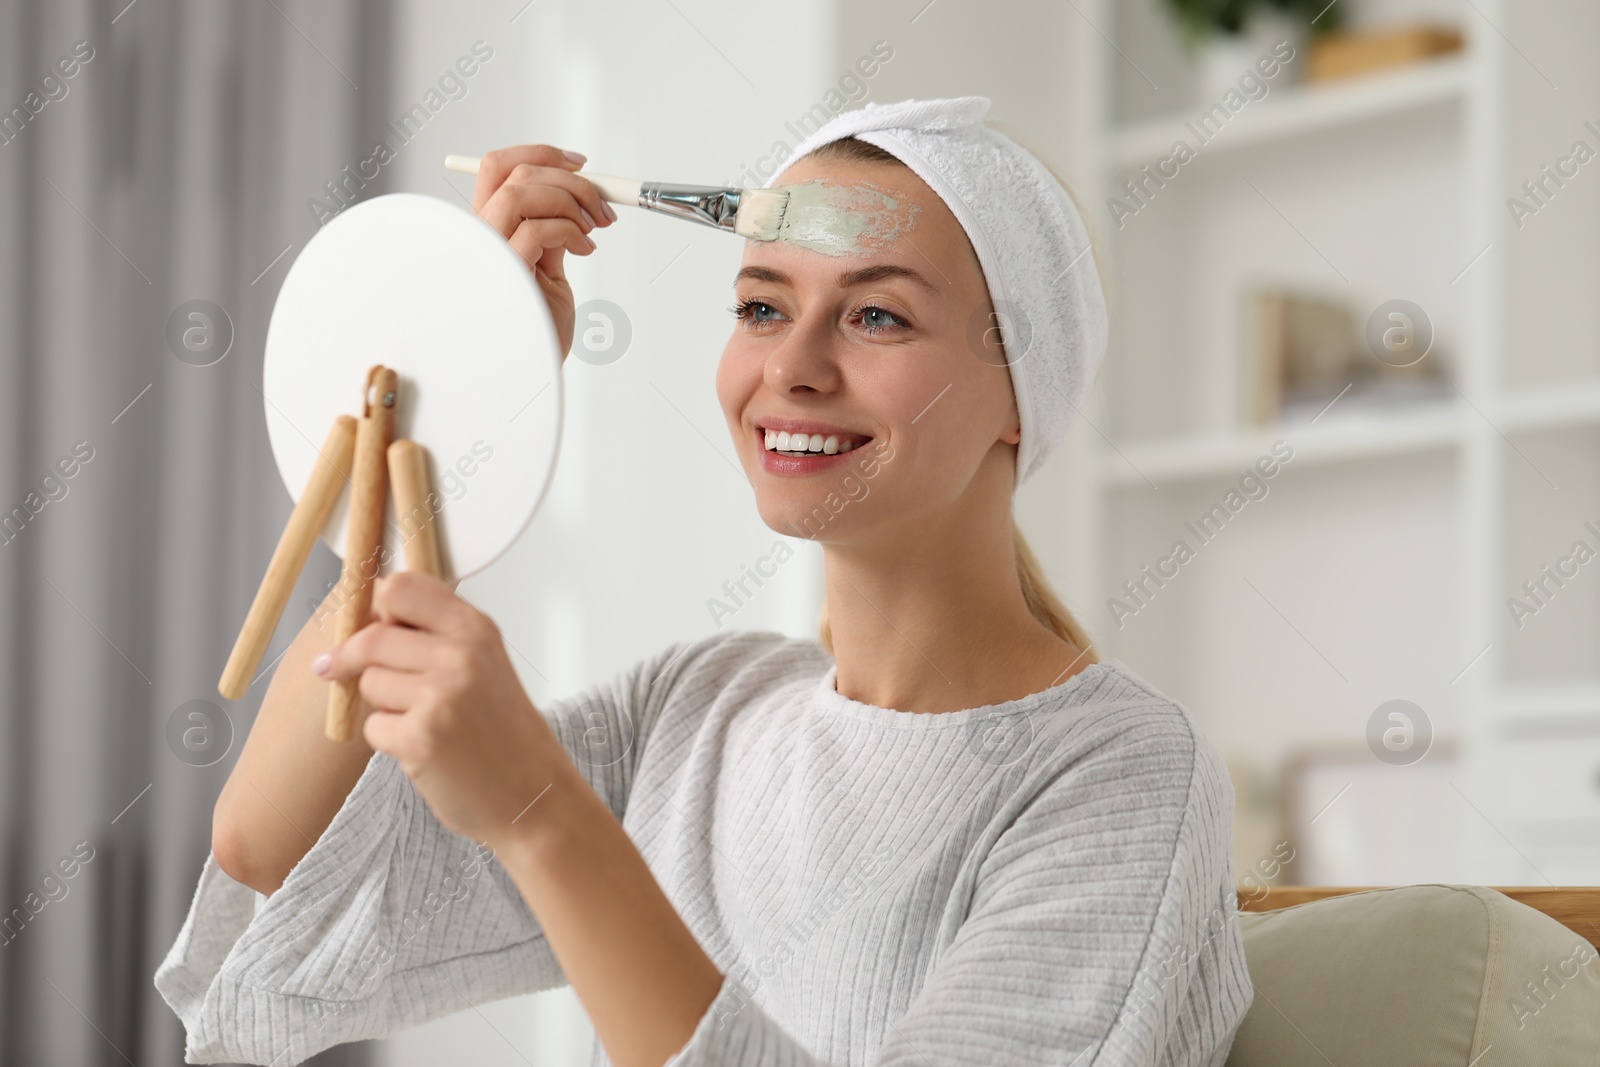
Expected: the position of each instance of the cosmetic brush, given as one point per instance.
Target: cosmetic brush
(753, 213)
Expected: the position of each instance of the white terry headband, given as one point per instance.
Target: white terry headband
(1029, 239)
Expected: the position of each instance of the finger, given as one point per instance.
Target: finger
(494, 168)
(588, 195)
(381, 644)
(425, 602)
(552, 279)
(591, 204)
(387, 689)
(386, 733)
(541, 242)
(516, 201)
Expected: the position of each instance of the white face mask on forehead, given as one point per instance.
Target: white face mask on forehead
(1030, 241)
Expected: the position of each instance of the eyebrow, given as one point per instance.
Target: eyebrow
(846, 279)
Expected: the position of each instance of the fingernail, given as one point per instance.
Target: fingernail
(610, 214)
(592, 245)
(322, 665)
(576, 157)
(588, 218)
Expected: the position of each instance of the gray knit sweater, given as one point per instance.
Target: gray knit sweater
(1043, 881)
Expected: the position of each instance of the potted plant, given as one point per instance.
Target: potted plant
(1228, 36)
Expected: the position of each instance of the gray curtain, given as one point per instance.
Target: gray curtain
(139, 502)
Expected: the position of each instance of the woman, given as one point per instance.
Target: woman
(959, 838)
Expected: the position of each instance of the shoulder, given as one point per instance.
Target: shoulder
(1125, 737)
(1112, 712)
(1124, 777)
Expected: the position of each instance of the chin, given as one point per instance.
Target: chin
(786, 509)
(817, 510)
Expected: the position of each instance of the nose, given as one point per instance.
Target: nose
(805, 361)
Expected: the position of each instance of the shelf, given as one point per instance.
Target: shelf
(1351, 436)
(1301, 110)
(1527, 710)
(1434, 510)
(1539, 407)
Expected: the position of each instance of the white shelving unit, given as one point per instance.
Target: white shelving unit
(1308, 113)
(1380, 561)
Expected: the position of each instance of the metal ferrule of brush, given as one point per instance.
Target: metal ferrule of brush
(704, 204)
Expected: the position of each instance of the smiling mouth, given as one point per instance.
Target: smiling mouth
(785, 443)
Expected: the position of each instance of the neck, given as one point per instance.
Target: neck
(929, 616)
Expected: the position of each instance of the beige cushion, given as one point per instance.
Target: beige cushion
(1422, 975)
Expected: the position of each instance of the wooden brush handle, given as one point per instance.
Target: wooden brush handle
(310, 515)
(365, 537)
(416, 506)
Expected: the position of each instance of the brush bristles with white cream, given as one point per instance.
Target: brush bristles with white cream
(753, 213)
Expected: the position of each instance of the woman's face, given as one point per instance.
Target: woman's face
(888, 349)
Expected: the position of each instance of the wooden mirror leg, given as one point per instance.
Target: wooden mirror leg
(305, 525)
(362, 557)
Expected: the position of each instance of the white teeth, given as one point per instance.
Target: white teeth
(794, 443)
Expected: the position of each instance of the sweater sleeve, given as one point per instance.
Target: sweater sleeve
(391, 919)
(1100, 932)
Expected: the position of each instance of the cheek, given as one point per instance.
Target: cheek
(927, 402)
(736, 378)
(958, 409)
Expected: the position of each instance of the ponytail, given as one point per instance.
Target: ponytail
(1042, 600)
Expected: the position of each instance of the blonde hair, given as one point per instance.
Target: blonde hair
(1041, 599)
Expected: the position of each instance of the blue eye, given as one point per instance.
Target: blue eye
(751, 311)
(874, 318)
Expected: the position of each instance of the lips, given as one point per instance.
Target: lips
(799, 437)
(800, 446)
